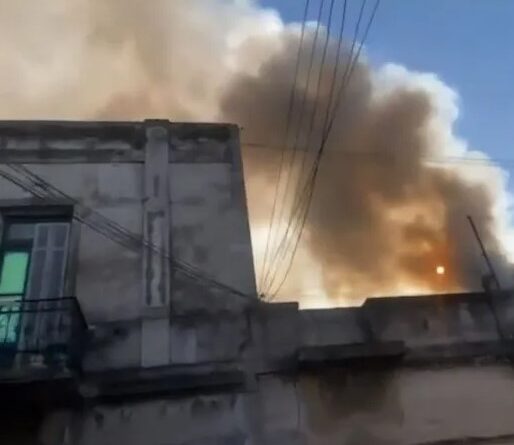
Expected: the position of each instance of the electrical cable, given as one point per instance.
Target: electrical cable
(298, 129)
(315, 169)
(283, 246)
(286, 138)
(296, 148)
(113, 231)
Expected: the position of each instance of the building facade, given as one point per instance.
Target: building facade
(129, 314)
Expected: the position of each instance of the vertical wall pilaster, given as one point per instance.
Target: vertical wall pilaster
(155, 338)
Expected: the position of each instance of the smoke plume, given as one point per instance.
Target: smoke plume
(389, 205)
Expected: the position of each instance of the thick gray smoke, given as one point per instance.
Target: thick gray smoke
(386, 211)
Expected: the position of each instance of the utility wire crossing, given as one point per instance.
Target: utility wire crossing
(286, 226)
(29, 181)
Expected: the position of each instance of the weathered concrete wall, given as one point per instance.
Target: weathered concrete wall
(191, 175)
(107, 275)
(428, 321)
(417, 321)
(205, 420)
(207, 225)
(335, 400)
(180, 360)
(332, 326)
(209, 339)
(404, 406)
(209, 217)
(417, 406)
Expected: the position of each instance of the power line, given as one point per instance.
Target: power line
(277, 253)
(122, 236)
(362, 156)
(297, 136)
(316, 104)
(292, 98)
(327, 134)
(110, 229)
(299, 127)
(329, 105)
(315, 169)
(349, 69)
(338, 60)
(318, 90)
(297, 205)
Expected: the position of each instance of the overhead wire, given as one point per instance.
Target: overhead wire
(129, 238)
(338, 58)
(311, 184)
(314, 114)
(131, 241)
(310, 122)
(315, 170)
(299, 128)
(42, 189)
(297, 134)
(352, 65)
(282, 247)
(318, 88)
(292, 98)
(290, 233)
(360, 156)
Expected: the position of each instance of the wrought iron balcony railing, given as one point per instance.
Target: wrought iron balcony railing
(46, 333)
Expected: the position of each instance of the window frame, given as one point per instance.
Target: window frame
(13, 211)
(18, 245)
(31, 215)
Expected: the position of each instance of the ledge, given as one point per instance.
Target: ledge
(316, 356)
(132, 132)
(461, 353)
(398, 354)
(177, 380)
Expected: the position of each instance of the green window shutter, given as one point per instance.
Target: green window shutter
(14, 273)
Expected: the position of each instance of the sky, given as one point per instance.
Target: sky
(464, 42)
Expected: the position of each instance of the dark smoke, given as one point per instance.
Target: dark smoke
(384, 215)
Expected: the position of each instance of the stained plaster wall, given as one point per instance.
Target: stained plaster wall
(281, 404)
(404, 406)
(433, 401)
(107, 274)
(417, 406)
(102, 165)
(420, 322)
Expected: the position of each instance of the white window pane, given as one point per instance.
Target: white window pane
(37, 273)
(55, 274)
(60, 235)
(41, 236)
(49, 252)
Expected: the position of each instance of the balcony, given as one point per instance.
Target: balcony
(40, 339)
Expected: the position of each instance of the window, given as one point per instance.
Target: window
(33, 257)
